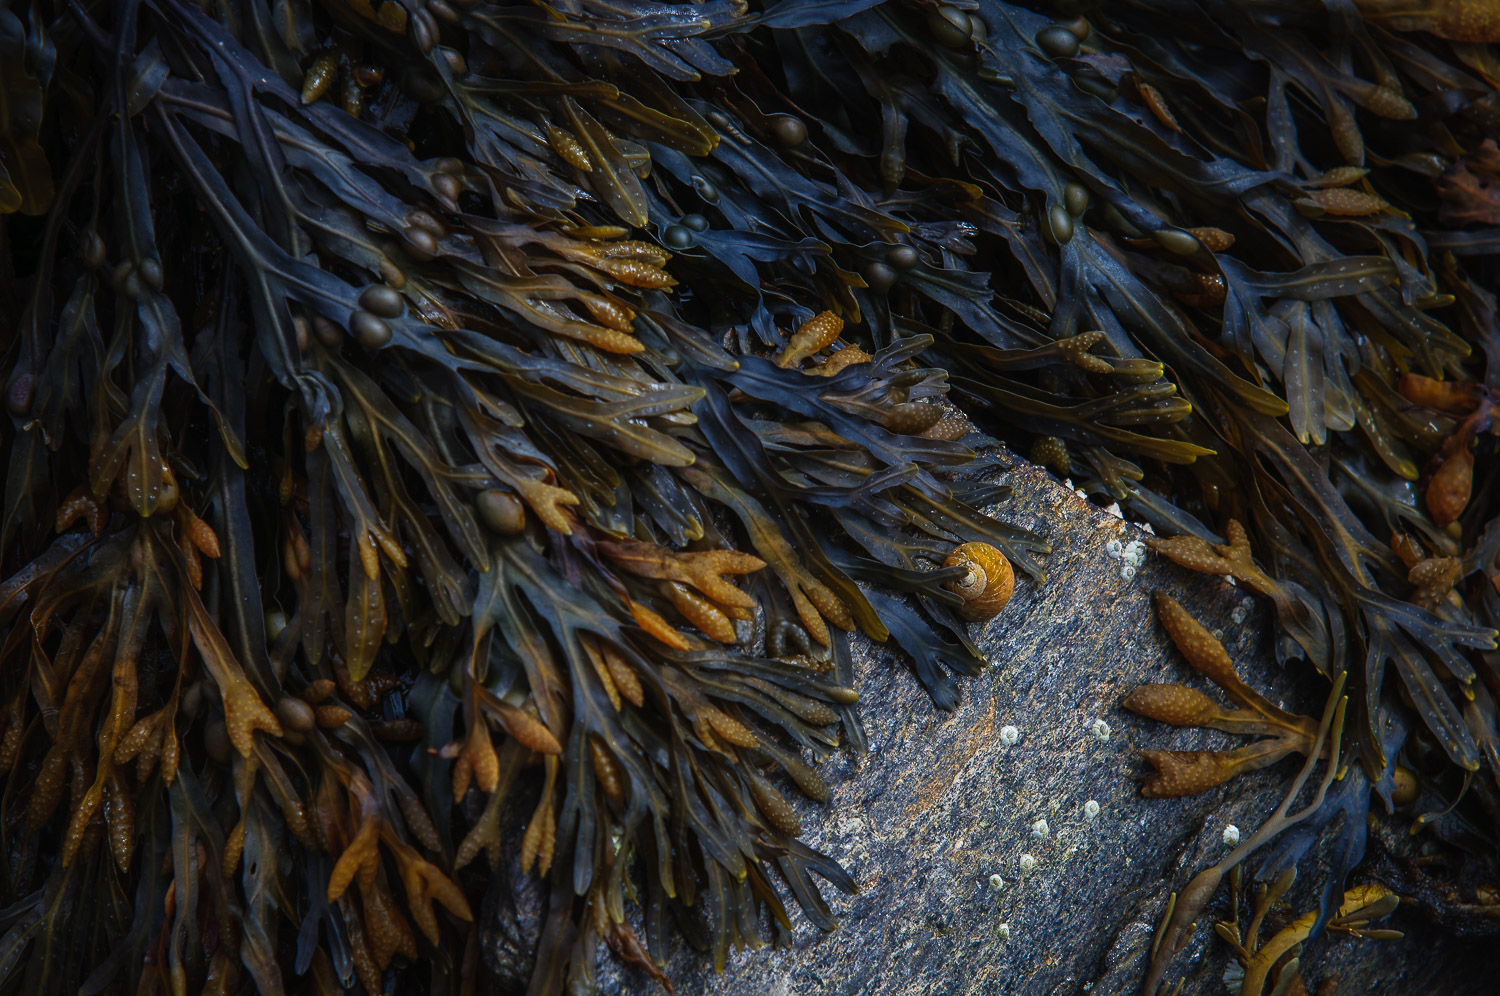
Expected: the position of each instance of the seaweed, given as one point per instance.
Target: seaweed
(1278, 960)
(399, 479)
(1190, 772)
(425, 410)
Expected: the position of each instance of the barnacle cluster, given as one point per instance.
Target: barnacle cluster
(443, 428)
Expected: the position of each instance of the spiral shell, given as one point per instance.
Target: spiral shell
(989, 583)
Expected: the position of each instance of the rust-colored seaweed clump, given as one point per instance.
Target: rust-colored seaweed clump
(441, 429)
(381, 497)
(1276, 963)
(1190, 772)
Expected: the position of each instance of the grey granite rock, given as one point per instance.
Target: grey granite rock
(941, 804)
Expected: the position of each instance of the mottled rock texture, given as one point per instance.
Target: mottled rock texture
(940, 804)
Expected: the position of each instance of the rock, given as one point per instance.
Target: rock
(940, 804)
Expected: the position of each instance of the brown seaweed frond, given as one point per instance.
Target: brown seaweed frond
(1277, 961)
(366, 362)
(1180, 773)
(1184, 908)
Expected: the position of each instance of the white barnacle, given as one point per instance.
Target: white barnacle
(1114, 547)
(1028, 864)
(1127, 572)
(1004, 931)
(1091, 809)
(1010, 736)
(1100, 729)
(1231, 835)
(996, 882)
(1040, 828)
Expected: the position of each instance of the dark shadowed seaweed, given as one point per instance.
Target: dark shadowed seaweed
(441, 428)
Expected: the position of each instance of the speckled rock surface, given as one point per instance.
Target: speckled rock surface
(940, 804)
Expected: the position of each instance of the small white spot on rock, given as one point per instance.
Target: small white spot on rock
(1028, 864)
(996, 883)
(1100, 730)
(1004, 931)
(1231, 835)
(1010, 736)
(1040, 828)
(1091, 809)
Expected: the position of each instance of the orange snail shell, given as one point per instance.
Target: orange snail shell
(988, 585)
